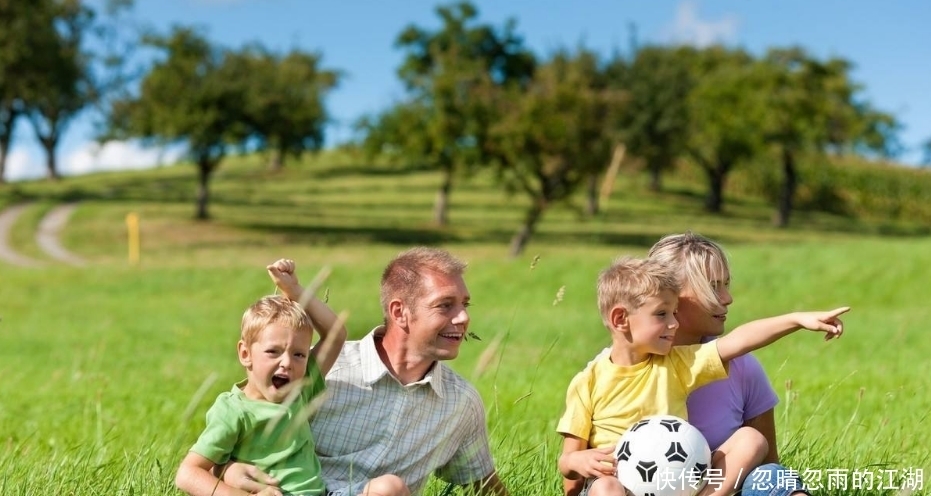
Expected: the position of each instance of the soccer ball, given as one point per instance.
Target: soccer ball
(662, 455)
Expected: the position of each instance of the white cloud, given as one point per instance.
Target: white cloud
(688, 29)
(29, 162)
(115, 156)
(21, 164)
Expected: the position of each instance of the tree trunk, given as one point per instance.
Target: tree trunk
(656, 177)
(522, 236)
(6, 137)
(51, 167)
(441, 205)
(204, 169)
(276, 162)
(716, 175)
(789, 184)
(591, 194)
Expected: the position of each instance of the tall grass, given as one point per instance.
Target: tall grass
(109, 369)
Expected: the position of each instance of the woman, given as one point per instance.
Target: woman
(746, 397)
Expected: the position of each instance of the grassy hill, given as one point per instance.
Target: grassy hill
(334, 200)
(109, 368)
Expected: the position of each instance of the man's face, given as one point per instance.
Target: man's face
(438, 319)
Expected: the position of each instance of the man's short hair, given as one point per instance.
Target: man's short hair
(403, 278)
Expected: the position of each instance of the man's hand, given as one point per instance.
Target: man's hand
(249, 478)
(282, 273)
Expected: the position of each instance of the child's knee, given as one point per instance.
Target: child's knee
(753, 441)
(386, 485)
(606, 486)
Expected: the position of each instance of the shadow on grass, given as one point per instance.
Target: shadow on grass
(359, 170)
(329, 235)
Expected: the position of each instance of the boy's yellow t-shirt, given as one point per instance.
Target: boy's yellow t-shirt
(605, 399)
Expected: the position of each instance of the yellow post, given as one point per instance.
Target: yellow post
(132, 226)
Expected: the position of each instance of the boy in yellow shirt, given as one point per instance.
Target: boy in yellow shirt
(645, 375)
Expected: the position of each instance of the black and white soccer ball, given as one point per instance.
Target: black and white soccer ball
(662, 455)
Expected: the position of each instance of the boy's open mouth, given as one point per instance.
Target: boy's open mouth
(279, 381)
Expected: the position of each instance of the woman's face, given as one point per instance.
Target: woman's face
(696, 321)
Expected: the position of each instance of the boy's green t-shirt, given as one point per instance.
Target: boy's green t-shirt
(273, 437)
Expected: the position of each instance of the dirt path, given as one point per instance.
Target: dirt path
(7, 219)
(48, 234)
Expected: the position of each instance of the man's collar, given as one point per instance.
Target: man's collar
(374, 369)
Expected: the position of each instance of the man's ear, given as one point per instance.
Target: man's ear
(397, 313)
(245, 355)
(619, 318)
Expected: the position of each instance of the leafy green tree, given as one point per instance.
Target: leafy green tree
(726, 112)
(449, 73)
(655, 122)
(285, 107)
(803, 97)
(398, 133)
(42, 68)
(65, 86)
(553, 135)
(795, 93)
(22, 27)
(194, 96)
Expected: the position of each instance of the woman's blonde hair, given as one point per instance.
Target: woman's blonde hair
(273, 309)
(698, 261)
(630, 281)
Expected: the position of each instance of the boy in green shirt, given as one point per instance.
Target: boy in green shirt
(263, 419)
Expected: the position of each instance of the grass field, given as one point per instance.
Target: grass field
(108, 369)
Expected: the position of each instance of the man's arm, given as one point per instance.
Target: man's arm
(489, 486)
(331, 327)
(759, 333)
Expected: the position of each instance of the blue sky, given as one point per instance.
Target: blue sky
(888, 42)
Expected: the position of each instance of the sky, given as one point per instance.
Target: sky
(889, 44)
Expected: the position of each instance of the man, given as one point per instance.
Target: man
(395, 413)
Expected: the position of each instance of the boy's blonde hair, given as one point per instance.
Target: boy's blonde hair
(697, 260)
(630, 281)
(273, 309)
(403, 278)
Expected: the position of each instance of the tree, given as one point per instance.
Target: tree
(553, 135)
(30, 54)
(193, 96)
(655, 123)
(926, 148)
(804, 97)
(65, 86)
(725, 109)
(796, 94)
(285, 106)
(19, 23)
(449, 73)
